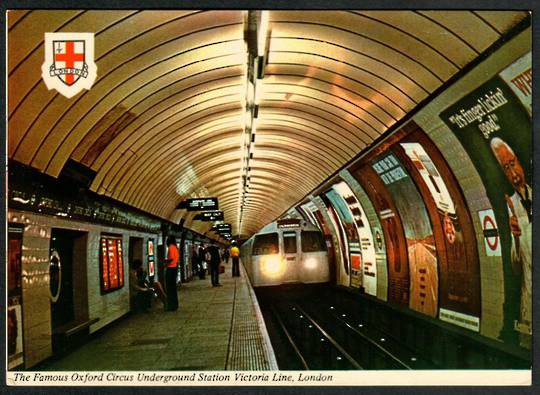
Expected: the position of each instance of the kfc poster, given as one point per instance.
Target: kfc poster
(494, 128)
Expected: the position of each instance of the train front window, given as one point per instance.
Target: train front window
(266, 244)
(312, 241)
(289, 242)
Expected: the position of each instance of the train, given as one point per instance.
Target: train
(286, 251)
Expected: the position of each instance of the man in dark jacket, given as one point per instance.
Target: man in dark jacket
(215, 261)
(202, 263)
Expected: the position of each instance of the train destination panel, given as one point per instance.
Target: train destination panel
(199, 204)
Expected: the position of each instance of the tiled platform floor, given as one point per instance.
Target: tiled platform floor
(215, 328)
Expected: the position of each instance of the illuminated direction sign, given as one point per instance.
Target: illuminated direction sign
(199, 204)
(288, 223)
(210, 216)
(222, 228)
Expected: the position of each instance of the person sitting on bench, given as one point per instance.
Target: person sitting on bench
(141, 293)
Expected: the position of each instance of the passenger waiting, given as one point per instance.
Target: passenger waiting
(142, 290)
(195, 262)
(202, 261)
(171, 274)
(141, 294)
(154, 285)
(214, 259)
(235, 254)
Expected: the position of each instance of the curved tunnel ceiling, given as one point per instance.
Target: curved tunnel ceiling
(166, 116)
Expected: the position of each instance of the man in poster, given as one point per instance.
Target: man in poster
(520, 213)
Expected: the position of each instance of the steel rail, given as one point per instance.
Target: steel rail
(373, 343)
(351, 360)
(289, 337)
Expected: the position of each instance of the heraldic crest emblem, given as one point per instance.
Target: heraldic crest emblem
(69, 62)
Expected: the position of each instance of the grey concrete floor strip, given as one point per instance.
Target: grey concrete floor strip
(248, 348)
(231, 330)
(267, 345)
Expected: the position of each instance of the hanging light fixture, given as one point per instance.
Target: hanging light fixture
(256, 36)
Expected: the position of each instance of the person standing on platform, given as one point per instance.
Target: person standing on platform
(202, 261)
(215, 261)
(173, 256)
(226, 255)
(235, 254)
(195, 263)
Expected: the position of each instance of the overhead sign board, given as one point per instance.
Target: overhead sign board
(210, 216)
(288, 223)
(199, 204)
(224, 228)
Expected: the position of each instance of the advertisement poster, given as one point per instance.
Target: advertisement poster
(495, 129)
(14, 293)
(14, 261)
(343, 276)
(309, 209)
(391, 238)
(431, 176)
(112, 265)
(325, 227)
(353, 239)
(187, 264)
(518, 76)
(458, 263)
(369, 267)
(420, 241)
(14, 334)
(151, 258)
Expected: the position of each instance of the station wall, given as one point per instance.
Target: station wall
(36, 295)
(473, 276)
(499, 304)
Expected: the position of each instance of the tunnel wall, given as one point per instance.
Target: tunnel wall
(491, 267)
(499, 305)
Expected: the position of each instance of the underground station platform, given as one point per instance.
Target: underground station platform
(214, 328)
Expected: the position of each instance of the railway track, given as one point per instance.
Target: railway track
(314, 347)
(372, 348)
(319, 327)
(318, 336)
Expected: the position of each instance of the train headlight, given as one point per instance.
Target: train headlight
(273, 265)
(310, 263)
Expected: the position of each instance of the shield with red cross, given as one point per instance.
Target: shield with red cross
(69, 62)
